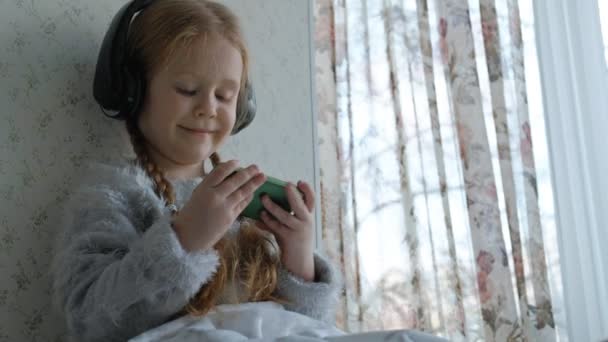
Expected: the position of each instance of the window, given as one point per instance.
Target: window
(603, 10)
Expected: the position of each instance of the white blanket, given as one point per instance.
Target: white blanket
(265, 321)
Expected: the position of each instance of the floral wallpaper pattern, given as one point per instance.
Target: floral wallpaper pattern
(51, 127)
(429, 176)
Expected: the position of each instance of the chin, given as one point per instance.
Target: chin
(188, 159)
(196, 160)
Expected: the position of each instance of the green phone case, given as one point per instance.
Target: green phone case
(275, 188)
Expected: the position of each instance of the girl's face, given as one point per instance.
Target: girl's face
(190, 105)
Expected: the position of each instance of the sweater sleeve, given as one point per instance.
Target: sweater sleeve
(316, 299)
(113, 282)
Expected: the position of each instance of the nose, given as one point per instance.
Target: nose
(206, 105)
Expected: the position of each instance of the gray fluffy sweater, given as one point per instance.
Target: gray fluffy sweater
(119, 270)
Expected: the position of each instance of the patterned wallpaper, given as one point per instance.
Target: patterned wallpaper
(51, 127)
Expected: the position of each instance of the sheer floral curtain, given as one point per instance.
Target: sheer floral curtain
(435, 202)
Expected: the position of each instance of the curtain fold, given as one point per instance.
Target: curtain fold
(429, 185)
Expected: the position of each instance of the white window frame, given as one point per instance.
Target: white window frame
(315, 140)
(574, 81)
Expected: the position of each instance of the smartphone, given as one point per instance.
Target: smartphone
(273, 187)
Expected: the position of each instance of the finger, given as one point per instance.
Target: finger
(236, 181)
(242, 204)
(272, 225)
(279, 213)
(247, 190)
(309, 195)
(220, 172)
(296, 202)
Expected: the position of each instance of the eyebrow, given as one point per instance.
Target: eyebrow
(229, 82)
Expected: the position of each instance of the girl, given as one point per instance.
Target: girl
(155, 238)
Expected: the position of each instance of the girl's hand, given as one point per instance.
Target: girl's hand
(215, 204)
(293, 232)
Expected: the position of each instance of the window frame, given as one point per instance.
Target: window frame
(573, 77)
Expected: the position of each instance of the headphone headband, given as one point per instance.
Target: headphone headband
(108, 84)
(120, 87)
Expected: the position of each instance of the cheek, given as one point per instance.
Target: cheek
(229, 114)
(179, 104)
(172, 104)
(152, 125)
(170, 108)
(159, 115)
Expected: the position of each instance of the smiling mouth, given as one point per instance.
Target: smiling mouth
(196, 131)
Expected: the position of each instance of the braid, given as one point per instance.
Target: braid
(163, 187)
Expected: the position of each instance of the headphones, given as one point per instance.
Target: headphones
(119, 85)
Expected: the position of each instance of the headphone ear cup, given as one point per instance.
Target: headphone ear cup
(246, 109)
(134, 85)
(110, 81)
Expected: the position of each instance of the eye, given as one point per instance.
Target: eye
(222, 97)
(186, 92)
(225, 96)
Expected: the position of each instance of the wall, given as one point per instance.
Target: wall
(51, 127)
